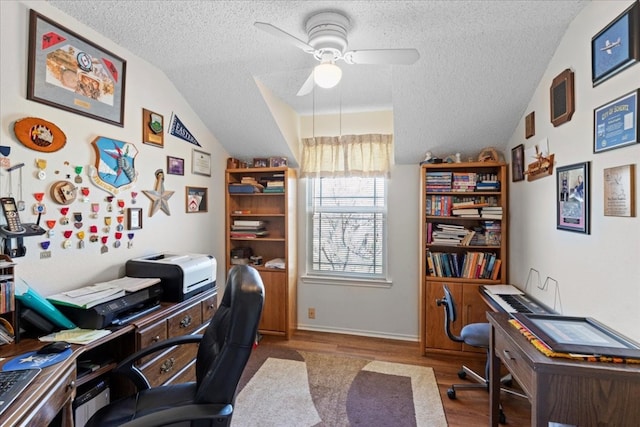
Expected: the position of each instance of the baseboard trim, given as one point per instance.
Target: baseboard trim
(362, 333)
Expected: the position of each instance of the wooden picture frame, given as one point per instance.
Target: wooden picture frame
(517, 163)
(620, 191)
(276, 162)
(152, 128)
(561, 95)
(617, 46)
(200, 163)
(573, 200)
(615, 124)
(134, 218)
(175, 165)
(530, 125)
(69, 72)
(261, 162)
(196, 199)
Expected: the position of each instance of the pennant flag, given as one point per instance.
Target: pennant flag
(179, 130)
(112, 68)
(51, 39)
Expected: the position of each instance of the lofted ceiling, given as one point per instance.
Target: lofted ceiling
(480, 62)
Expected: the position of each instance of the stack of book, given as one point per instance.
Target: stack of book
(449, 235)
(463, 181)
(488, 183)
(247, 184)
(274, 187)
(438, 181)
(491, 212)
(248, 229)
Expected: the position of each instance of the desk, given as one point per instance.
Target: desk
(560, 390)
(54, 389)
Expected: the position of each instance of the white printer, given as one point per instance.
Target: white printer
(181, 275)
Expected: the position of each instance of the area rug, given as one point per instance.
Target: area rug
(283, 387)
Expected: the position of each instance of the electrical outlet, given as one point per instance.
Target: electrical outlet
(312, 313)
(45, 254)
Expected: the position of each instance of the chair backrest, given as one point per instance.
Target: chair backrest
(230, 336)
(449, 313)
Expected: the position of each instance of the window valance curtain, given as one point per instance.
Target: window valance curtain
(368, 155)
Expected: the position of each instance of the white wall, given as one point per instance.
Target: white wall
(146, 87)
(598, 274)
(391, 310)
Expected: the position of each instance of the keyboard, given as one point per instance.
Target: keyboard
(515, 301)
(12, 383)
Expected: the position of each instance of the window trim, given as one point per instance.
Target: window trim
(312, 276)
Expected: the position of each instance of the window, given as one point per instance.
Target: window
(347, 227)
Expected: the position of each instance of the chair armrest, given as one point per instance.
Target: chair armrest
(205, 411)
(127, 366)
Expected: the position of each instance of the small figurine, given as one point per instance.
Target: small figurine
(458, 158)
(428, 157)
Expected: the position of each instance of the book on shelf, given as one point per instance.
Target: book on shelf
(496, 269)
(238, 188)
(273, 190)
(465, 211)
(248, 222)
(248, 234)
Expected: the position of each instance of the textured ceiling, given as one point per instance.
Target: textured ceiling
(480, 62)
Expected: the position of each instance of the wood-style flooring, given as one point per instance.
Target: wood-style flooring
(470, 408)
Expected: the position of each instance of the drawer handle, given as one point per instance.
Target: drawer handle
(211, 306)
(167, 366)
(508, 355)
(186, 321)
(156, 338)
(71, 385)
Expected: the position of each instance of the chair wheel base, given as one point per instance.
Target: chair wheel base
(462, 374)
(451, 393)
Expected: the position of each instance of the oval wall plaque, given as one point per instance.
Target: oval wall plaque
(39, 134)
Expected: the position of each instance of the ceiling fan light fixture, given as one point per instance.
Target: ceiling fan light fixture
(327, 75)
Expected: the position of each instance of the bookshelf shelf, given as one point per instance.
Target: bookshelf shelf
(463, 252)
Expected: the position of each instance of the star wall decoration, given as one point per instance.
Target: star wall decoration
(159, 197)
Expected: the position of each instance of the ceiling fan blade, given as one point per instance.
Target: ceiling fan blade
(307, 86)
(273, 30)
(382, 56)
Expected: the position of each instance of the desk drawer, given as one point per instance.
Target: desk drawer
(149, 336)
(515, 362)
(209, 307)
(185, 321)
(163, 368)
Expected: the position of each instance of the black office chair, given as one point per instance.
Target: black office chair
(223, 352)
(476, 335)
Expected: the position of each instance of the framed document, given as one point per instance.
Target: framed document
(134, 218)
(196, 199)
(620, 191)
(616, 123)
(201, 163)
(581, 335)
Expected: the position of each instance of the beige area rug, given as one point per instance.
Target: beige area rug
(282, 387)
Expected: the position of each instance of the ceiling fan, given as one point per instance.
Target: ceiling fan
(327, 32)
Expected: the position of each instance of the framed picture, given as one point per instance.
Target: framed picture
(201, 163)
(152, 128)
(578, 335)
(175, 165)
(616, 46)
(530, 125)
(573, 198)
(276, 162)
(615, 124)
(196, 199)
(517, 163)
(562, 98)
(261, 163)
(620, 191)
(134, 218)
(69, 72)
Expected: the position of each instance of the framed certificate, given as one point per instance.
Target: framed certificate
(201, 163)
(616, 123)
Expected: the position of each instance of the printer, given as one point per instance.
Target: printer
(181, 275)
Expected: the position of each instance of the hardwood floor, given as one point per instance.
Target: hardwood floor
(470, 408)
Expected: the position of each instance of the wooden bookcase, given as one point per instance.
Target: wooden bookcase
(277, 211)
(437, 200)
(7, 292)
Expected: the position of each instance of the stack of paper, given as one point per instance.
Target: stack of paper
(92, 295)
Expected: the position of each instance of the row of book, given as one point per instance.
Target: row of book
(442, 181)
(248, 229)
(470, 265)
(437, 205)
(249, 184)
(7, 300)
(488, 233)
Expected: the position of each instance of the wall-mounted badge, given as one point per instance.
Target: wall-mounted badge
(39, 134)
(114, 170)
(152, 129)
(63, 192)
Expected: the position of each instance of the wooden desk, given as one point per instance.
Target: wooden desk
(564, 391)
(54, 389)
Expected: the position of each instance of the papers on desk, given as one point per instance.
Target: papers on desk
(503, 290)
(92, 295)
(76, 336)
